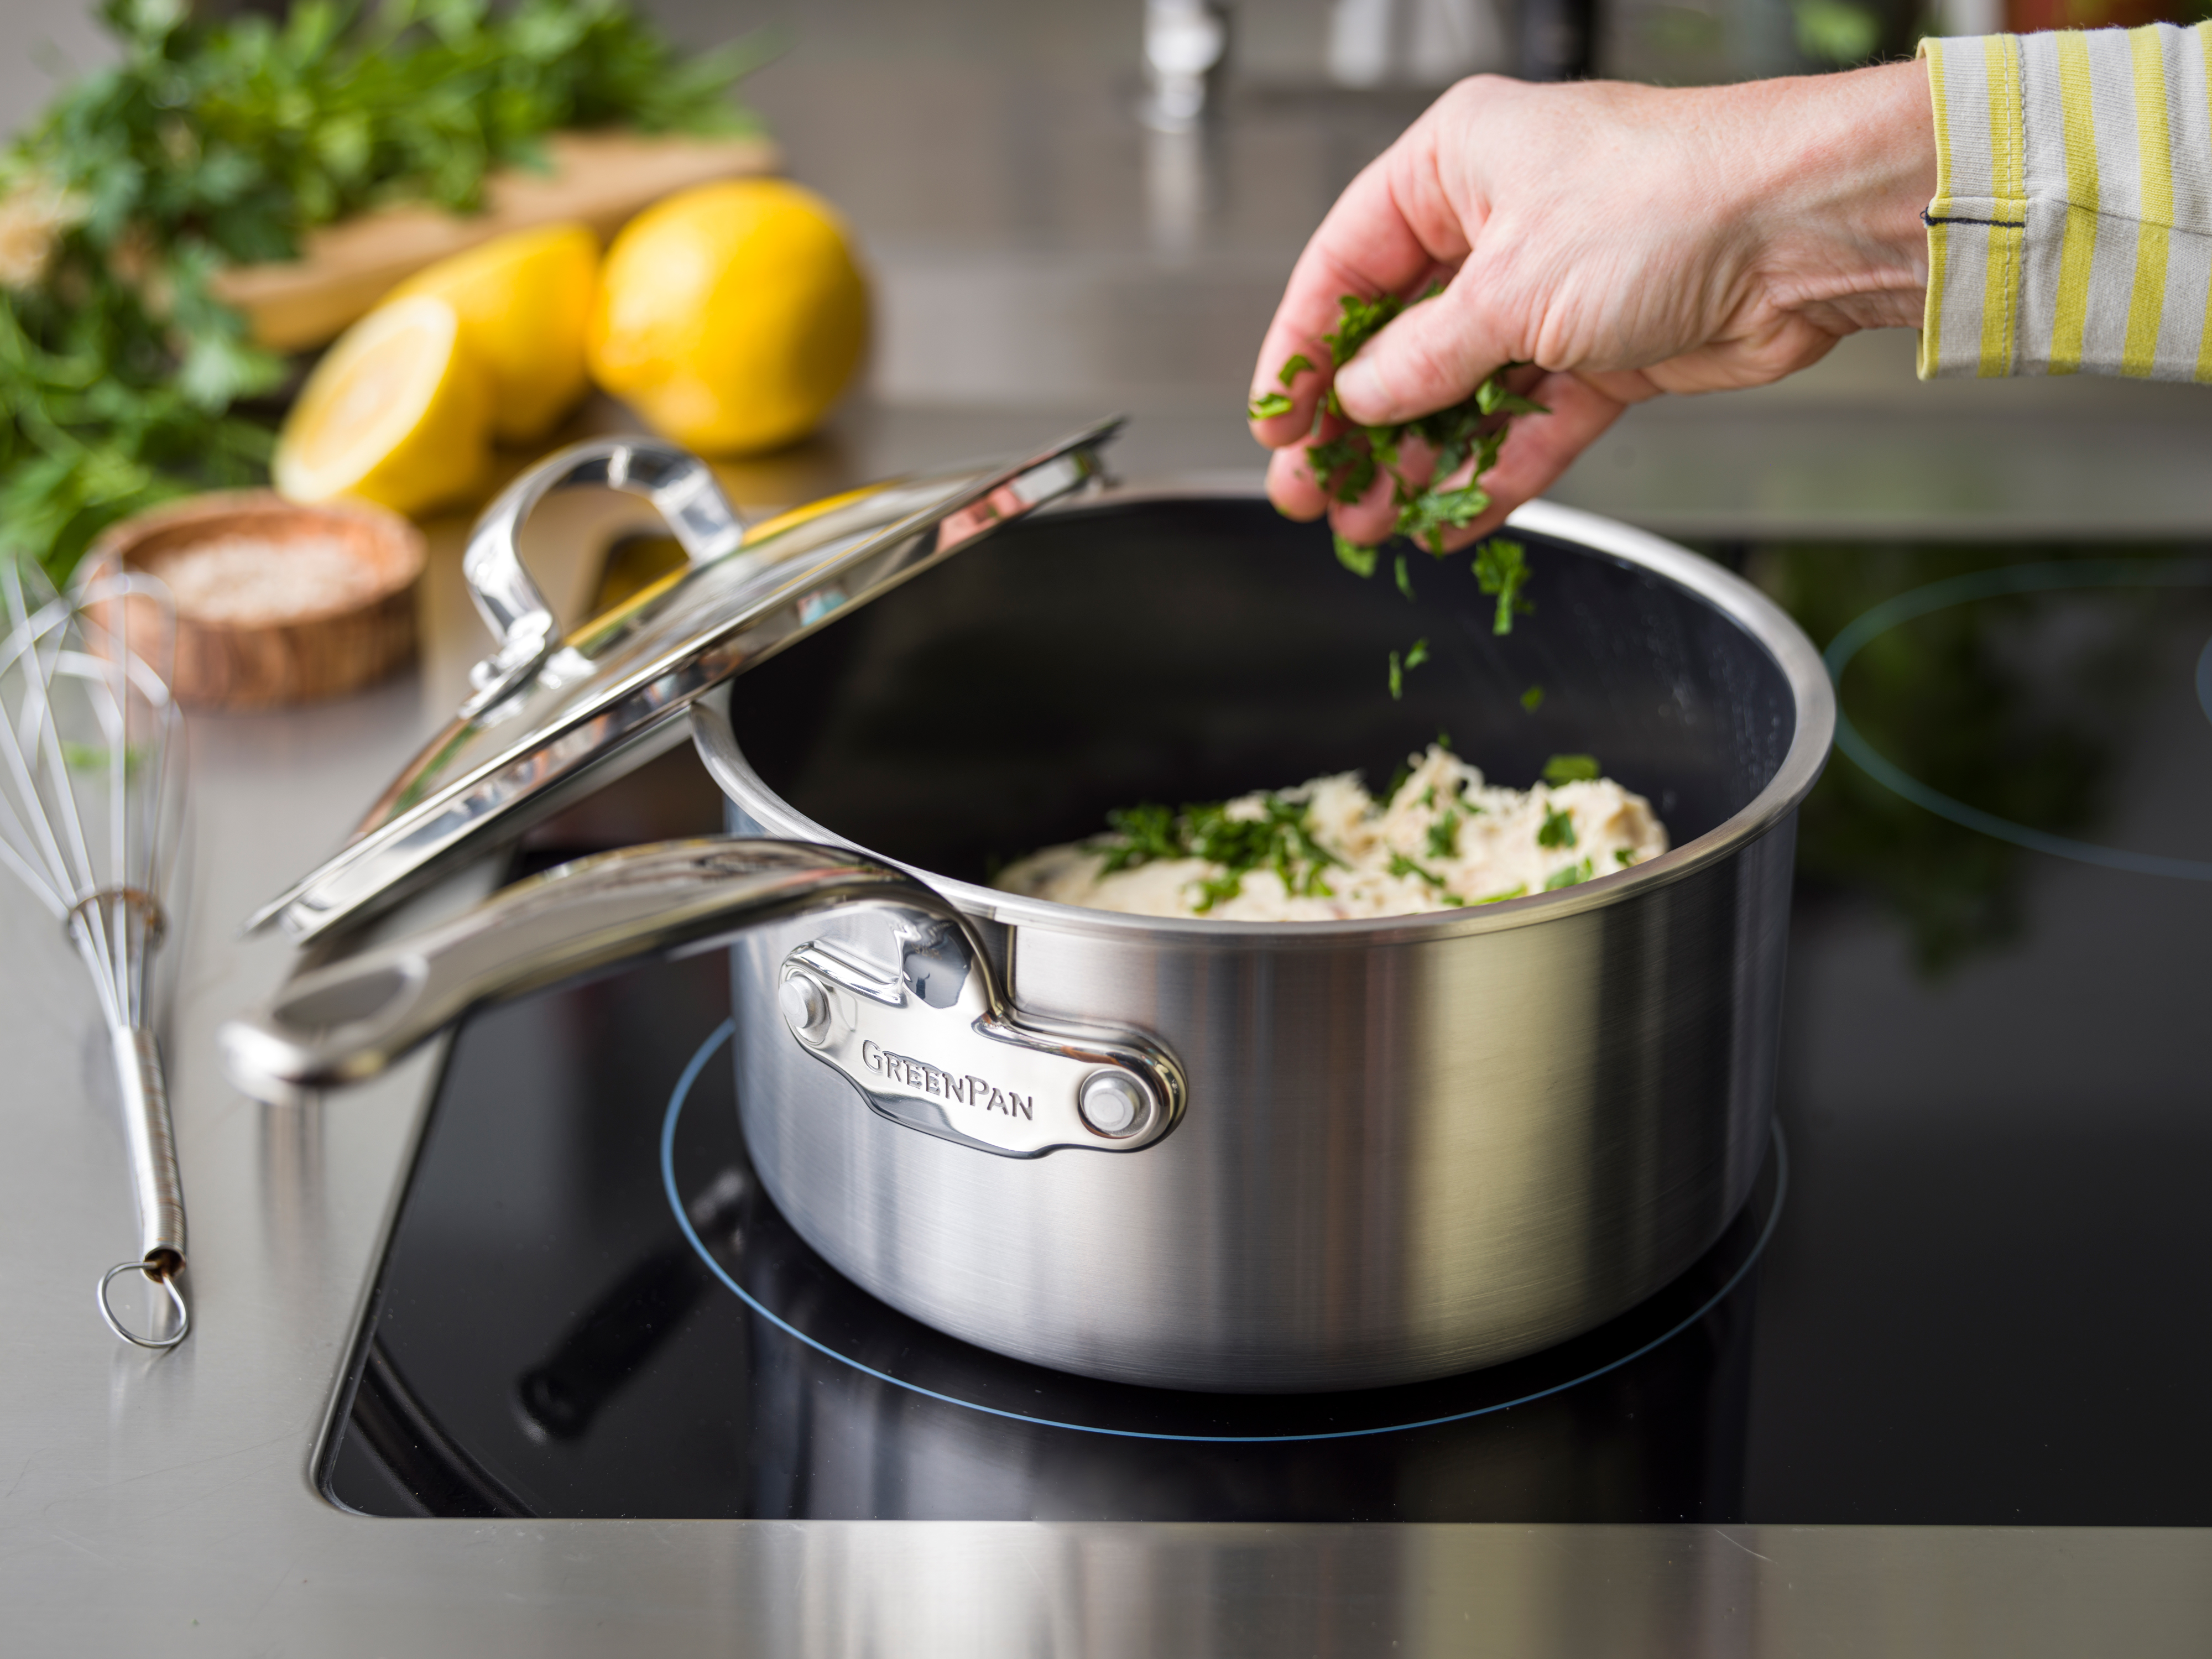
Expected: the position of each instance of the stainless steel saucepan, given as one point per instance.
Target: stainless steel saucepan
(1188, 1154)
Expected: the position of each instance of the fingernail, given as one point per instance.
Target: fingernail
(1357, 383)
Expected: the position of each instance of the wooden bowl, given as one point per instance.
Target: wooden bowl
(276, 603)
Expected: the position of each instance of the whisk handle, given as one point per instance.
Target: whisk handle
(153, 1139)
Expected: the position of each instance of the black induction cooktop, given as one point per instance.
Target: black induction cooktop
(1969, 1287)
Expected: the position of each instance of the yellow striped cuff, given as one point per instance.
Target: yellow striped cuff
(2071, 230)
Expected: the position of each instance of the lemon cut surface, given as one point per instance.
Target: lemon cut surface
(396, 413)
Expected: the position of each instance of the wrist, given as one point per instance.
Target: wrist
(1846, 164)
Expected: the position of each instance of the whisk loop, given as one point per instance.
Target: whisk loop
(166, 1279)
(91, 810)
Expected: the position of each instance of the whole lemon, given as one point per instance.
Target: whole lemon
(524, 300)
(731, 315)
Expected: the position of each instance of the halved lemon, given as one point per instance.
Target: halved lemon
(396, 413)
(524, 301)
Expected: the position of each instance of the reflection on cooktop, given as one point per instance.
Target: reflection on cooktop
(715, 1366)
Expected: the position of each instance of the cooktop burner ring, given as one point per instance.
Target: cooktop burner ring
(724, 1032)
(2053, 576)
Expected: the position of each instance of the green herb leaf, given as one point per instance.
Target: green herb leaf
(1443, 740)
(1343, 466)
(1402, 865)
(1502, 568)
(1571, 875)
(1405, 577)
(1418, 654)
(1146, 833)
(1297, 365)
(1570, 768)
(1624, 855)
(1443, 835)
(1360, 561)
(1218, 890)
(1424, 517)
(1358, 322)
(1533, 698)
(1268, 404)
(1521, 891)
(1558, 830)
(1491, 398)
(1397, 678)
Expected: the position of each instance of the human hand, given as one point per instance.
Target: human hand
(1623, 240)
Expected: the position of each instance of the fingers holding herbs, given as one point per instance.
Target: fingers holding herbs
(1421, 479)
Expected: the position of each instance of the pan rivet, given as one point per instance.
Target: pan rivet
(1111, 1103)
(805, 1006)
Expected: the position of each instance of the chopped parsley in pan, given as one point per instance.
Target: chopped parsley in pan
(1440, 837)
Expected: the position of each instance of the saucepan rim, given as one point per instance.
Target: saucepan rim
(1811, 694)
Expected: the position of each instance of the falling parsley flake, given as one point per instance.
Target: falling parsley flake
(1501, 567)
(1533, 698)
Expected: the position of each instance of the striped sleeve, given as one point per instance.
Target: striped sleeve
(2071, 231)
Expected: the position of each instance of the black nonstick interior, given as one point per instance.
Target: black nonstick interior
(1191, 648)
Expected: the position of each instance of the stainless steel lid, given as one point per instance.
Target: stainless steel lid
(551, 717)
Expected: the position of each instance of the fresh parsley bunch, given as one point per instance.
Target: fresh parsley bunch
(212, 144)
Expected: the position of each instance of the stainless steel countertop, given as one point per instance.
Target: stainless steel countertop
(166, 1499)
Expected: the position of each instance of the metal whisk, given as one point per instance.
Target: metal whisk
(91, 810)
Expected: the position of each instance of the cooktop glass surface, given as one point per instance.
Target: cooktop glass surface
(1968, 1287)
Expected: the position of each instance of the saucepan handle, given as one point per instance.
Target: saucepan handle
(929, 1043)
(349, 1021)
(682, 490)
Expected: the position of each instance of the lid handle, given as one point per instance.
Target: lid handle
(682, 490)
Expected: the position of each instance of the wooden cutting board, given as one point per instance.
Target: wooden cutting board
(602, 178)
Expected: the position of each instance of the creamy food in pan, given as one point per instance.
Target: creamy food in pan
(1328, 850)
